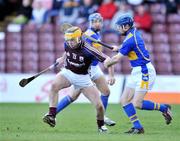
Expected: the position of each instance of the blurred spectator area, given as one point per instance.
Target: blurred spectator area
(35, 47)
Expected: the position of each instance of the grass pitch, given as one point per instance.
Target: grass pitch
(23, 122)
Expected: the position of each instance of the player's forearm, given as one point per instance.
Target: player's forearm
(113, 60)
(61, 59)
(111, 63)
(111, 71)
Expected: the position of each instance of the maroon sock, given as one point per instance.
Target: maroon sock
(100, 123)
(52, 111)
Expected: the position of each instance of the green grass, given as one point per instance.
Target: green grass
(23, 122)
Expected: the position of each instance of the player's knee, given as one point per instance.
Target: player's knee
(106, 92)
(55, 87)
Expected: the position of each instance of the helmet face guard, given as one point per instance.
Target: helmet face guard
(73, 43)
(73, 36)
(124, 20)
(96, 21)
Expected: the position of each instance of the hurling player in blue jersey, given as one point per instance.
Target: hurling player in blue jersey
(142, 76)
(97, 76)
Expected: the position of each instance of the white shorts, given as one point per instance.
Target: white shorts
(95, 72)
(78, 80)
(135, 80)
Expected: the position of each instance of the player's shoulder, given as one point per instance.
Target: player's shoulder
(132, 34)
(138, 35)
(65, 44)
(137, 32)
(128, 37)
(89, 32)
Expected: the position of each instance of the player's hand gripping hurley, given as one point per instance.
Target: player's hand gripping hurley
(97, 41)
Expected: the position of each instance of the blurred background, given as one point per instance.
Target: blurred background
(30, 39)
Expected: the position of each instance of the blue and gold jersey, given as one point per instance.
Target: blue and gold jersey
(96, 35)
(133, 46)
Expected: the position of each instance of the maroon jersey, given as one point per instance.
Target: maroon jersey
(79, 60)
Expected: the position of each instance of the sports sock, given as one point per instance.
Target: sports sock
(131, 113)
(104, 100)
(63, 103)
(149, 105)
(52, 111)
(100, 123)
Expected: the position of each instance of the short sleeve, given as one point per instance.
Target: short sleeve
(125, 48)
(65, 46)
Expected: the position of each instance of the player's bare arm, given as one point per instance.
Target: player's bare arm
(111, 78)
(61, 59)
(111, 61)
(116, 48)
